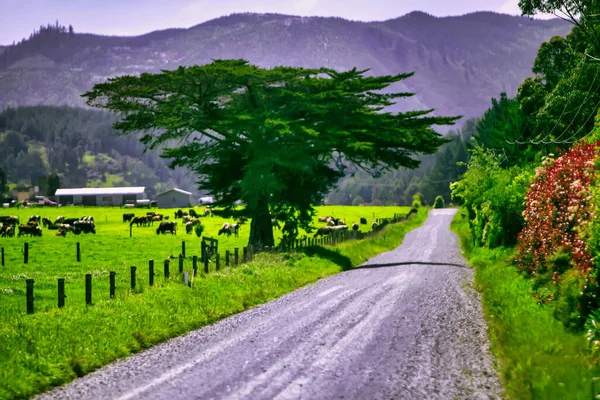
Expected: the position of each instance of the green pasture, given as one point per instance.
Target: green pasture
(111, 249)
(54, 346)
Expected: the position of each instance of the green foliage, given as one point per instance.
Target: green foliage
(358, 201)
(493, 197)
(501, 127)
(538, 358)
(592, 333)
(3, 183)
(277, 139)
(439, 202)
(432, 178)
(417, 201)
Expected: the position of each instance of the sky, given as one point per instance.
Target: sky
(18, 18)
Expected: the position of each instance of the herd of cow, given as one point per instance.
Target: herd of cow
(337, 224)
(189, 218)
(10, 224)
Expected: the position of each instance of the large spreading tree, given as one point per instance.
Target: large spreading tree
(277, 139)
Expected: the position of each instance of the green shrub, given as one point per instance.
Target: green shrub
(439, 202)
(417, 201)
(494, 198)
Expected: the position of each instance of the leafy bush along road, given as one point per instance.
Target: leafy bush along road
(538, 357)
(408, 331)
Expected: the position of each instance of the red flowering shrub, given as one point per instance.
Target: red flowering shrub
(559, 208)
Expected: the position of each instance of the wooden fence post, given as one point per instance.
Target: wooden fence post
(88, 289)
(112, 284)
(244, 254)
(26, 253)
(78, 252)
(61, 292)
(206, 263)
(3, 256)
(227, 258)
(29, 295)
(217, 261)
(150, 272)
(130, 230)
(183, 248)
(181, 265)
(195, 264)
(236, 255)
(166, 269)
(133, 282)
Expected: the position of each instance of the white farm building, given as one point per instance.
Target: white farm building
(110, 196)
(174, 198)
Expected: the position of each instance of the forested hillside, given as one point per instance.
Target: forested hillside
(82, 148)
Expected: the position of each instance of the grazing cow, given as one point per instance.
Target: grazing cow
(330, 222)
(324, 219)
(128, 217)
(9, 220)
(63, 229)
(59, 220)
(323, 231)
(84, 226)
(141, 220)
(340, 228)
(7, 230)
(374, 225)
(340, 222)
(46, 222)
(355, 226)
(70, 221)
(157, 218)
(193, 213)
(35, 218)
(167, 227)
(363, 221)
(206, 212)
(87, 219)
(30, 230)
(228, 229)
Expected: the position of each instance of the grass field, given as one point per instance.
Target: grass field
(55, 345)
(537, 357)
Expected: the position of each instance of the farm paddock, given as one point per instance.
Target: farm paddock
(111, 249)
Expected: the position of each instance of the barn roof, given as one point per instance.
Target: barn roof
(100, 191)
(175, 190)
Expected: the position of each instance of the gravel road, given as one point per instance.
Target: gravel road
(413, 330)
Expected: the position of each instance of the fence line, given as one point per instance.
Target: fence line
(208, 252)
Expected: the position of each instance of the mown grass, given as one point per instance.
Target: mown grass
(53, 346)
(536, 356)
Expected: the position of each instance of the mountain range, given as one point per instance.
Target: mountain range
(460, 62)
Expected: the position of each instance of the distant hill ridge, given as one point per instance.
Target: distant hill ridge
(460, 62)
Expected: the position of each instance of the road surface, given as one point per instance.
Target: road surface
(411, 330)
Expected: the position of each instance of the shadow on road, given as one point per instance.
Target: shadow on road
(411, 263)
(333, 256)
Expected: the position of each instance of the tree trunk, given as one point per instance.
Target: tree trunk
(261, 229)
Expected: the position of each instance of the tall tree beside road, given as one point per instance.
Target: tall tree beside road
(277, 139)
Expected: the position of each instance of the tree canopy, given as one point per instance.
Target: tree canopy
(278, 139)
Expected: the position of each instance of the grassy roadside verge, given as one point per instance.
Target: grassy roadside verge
(537, 357)
(51, 348)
